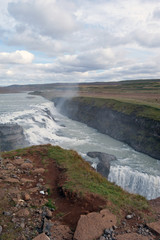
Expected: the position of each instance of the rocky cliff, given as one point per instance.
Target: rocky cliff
(125, 122)
(11, 137)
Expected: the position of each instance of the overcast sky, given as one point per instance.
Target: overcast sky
(44, 41)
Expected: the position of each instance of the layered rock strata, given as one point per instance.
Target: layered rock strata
(141, 133)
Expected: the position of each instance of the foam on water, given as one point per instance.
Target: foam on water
(42, 124)
(135, 181)
(38, 123)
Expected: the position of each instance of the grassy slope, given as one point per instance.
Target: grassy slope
(82, 179)
(140, 97)
(124, 107)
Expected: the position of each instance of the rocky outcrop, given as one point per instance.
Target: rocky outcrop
(91, 226)
(11, 137)
(103, 166)
(141, 133)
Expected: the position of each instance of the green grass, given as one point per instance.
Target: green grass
(50, 204)
(82, 179)
(136, 109)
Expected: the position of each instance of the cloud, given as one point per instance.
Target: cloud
(97, 59)
(73, 40)
(18, 57)
(50, 18)
(156, 14)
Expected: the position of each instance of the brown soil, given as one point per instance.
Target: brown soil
(69, 207)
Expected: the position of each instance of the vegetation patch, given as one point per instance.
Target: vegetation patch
(82, 179)
(50, 204)
(128, 108)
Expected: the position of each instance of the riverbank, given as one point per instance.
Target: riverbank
(136, 125)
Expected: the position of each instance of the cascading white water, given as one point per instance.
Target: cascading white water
(135, 182)
(133, 171)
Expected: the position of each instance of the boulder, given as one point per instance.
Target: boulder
(103, 167)
(23, 213)
(38, 171)
(154, 227)
(60, 232)
(27, 166)
(92, 225)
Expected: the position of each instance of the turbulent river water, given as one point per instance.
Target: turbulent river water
(133, 171)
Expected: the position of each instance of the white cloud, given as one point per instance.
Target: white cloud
(19, 57)
(50, 17)
(79, 40)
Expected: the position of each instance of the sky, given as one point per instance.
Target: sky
(47, 41)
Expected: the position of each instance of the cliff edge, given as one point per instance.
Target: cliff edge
(11, 137)
(136, 125)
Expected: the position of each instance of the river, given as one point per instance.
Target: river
(42, 124)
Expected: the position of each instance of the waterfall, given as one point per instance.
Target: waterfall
(135, 182)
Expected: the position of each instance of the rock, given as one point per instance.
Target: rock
(23, 213)
(41, 236)
(60, 232)
(27, 161)
(47, 225)
(38, 171)
(33, 190)
(11, 180)
(18, 161)
(129, 216)
(14, 220)
(14, 176)
(129, 128)
(25, 180)
(102, 238)
(41, 180)
(91, 226)
(102, 156)
(1, 229)
(10, 166)
(108, 231)
(22, 225)
(48, 213)
(27, 166)
(103, 166)
(154, 226)
(26, 197)
(7, 213)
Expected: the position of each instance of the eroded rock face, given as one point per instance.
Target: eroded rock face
(143, 134)
(103, 166)
(91, 226)
(11, 137)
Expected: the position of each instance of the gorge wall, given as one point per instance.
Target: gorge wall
(11, 137)
(141, 133)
